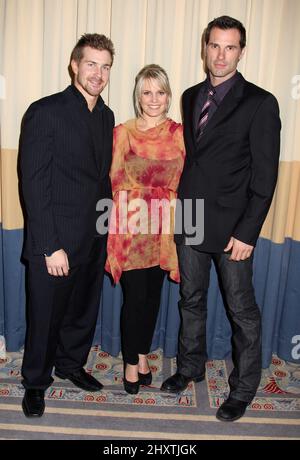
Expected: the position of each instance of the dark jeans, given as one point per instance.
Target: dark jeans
(142, 290)
(61, 318)
(236, 279)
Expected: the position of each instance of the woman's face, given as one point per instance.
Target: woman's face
(153, 100)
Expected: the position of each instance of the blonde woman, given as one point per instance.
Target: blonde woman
(148, 157)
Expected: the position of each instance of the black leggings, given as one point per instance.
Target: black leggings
(141, 290)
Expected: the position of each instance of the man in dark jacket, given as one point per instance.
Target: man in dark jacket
(232, 139)
(65, 157)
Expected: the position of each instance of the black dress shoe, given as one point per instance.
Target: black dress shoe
(81, 379)
(131, 387)
(145, 379)
(33, 403)
(178, 382)
(232, 409)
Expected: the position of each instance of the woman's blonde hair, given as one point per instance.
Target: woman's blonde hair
(155, 72)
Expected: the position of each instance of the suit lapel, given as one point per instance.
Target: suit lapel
(101, 150)
(189, 116)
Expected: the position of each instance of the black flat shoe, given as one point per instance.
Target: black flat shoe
(131, 387)
(232, 409)
(33, 403)
(145, 379)
(81, 379)
(178, 382)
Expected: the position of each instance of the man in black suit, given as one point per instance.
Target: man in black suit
(65, 157)
(232, 138)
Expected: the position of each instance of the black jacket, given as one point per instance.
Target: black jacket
(62, 175)
(234, 165)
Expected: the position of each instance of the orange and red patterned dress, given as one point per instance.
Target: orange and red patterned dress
(145, 171)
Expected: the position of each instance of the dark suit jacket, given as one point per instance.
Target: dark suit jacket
(234, 165)
(62, 176)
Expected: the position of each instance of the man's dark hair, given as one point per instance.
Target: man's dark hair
(96, 41)
(226, 22)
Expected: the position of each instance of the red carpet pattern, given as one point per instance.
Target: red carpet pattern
(279, 389)
(109, 371)
(151, 415)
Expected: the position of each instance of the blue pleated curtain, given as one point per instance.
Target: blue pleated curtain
(276, 281)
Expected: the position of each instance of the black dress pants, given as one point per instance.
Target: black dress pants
(61, 318)
(236, 279)
(141, 291)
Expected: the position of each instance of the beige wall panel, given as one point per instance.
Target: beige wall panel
(94, 16)
(283, 220)
(293, 217)
(60, 36)
(173, 41)
(12, 217)
(128, 34)
(273, 59)
(2, 19)
(22, 64)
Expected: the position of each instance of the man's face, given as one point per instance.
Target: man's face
(223, 53)
(91, 73)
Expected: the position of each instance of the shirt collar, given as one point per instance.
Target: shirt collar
(222, 89)
(81, 99)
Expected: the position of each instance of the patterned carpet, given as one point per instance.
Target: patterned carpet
(109, 371)
(74, 414)
(279, 389)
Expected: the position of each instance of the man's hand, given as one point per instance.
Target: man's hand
(239, 250)
(57, 263)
